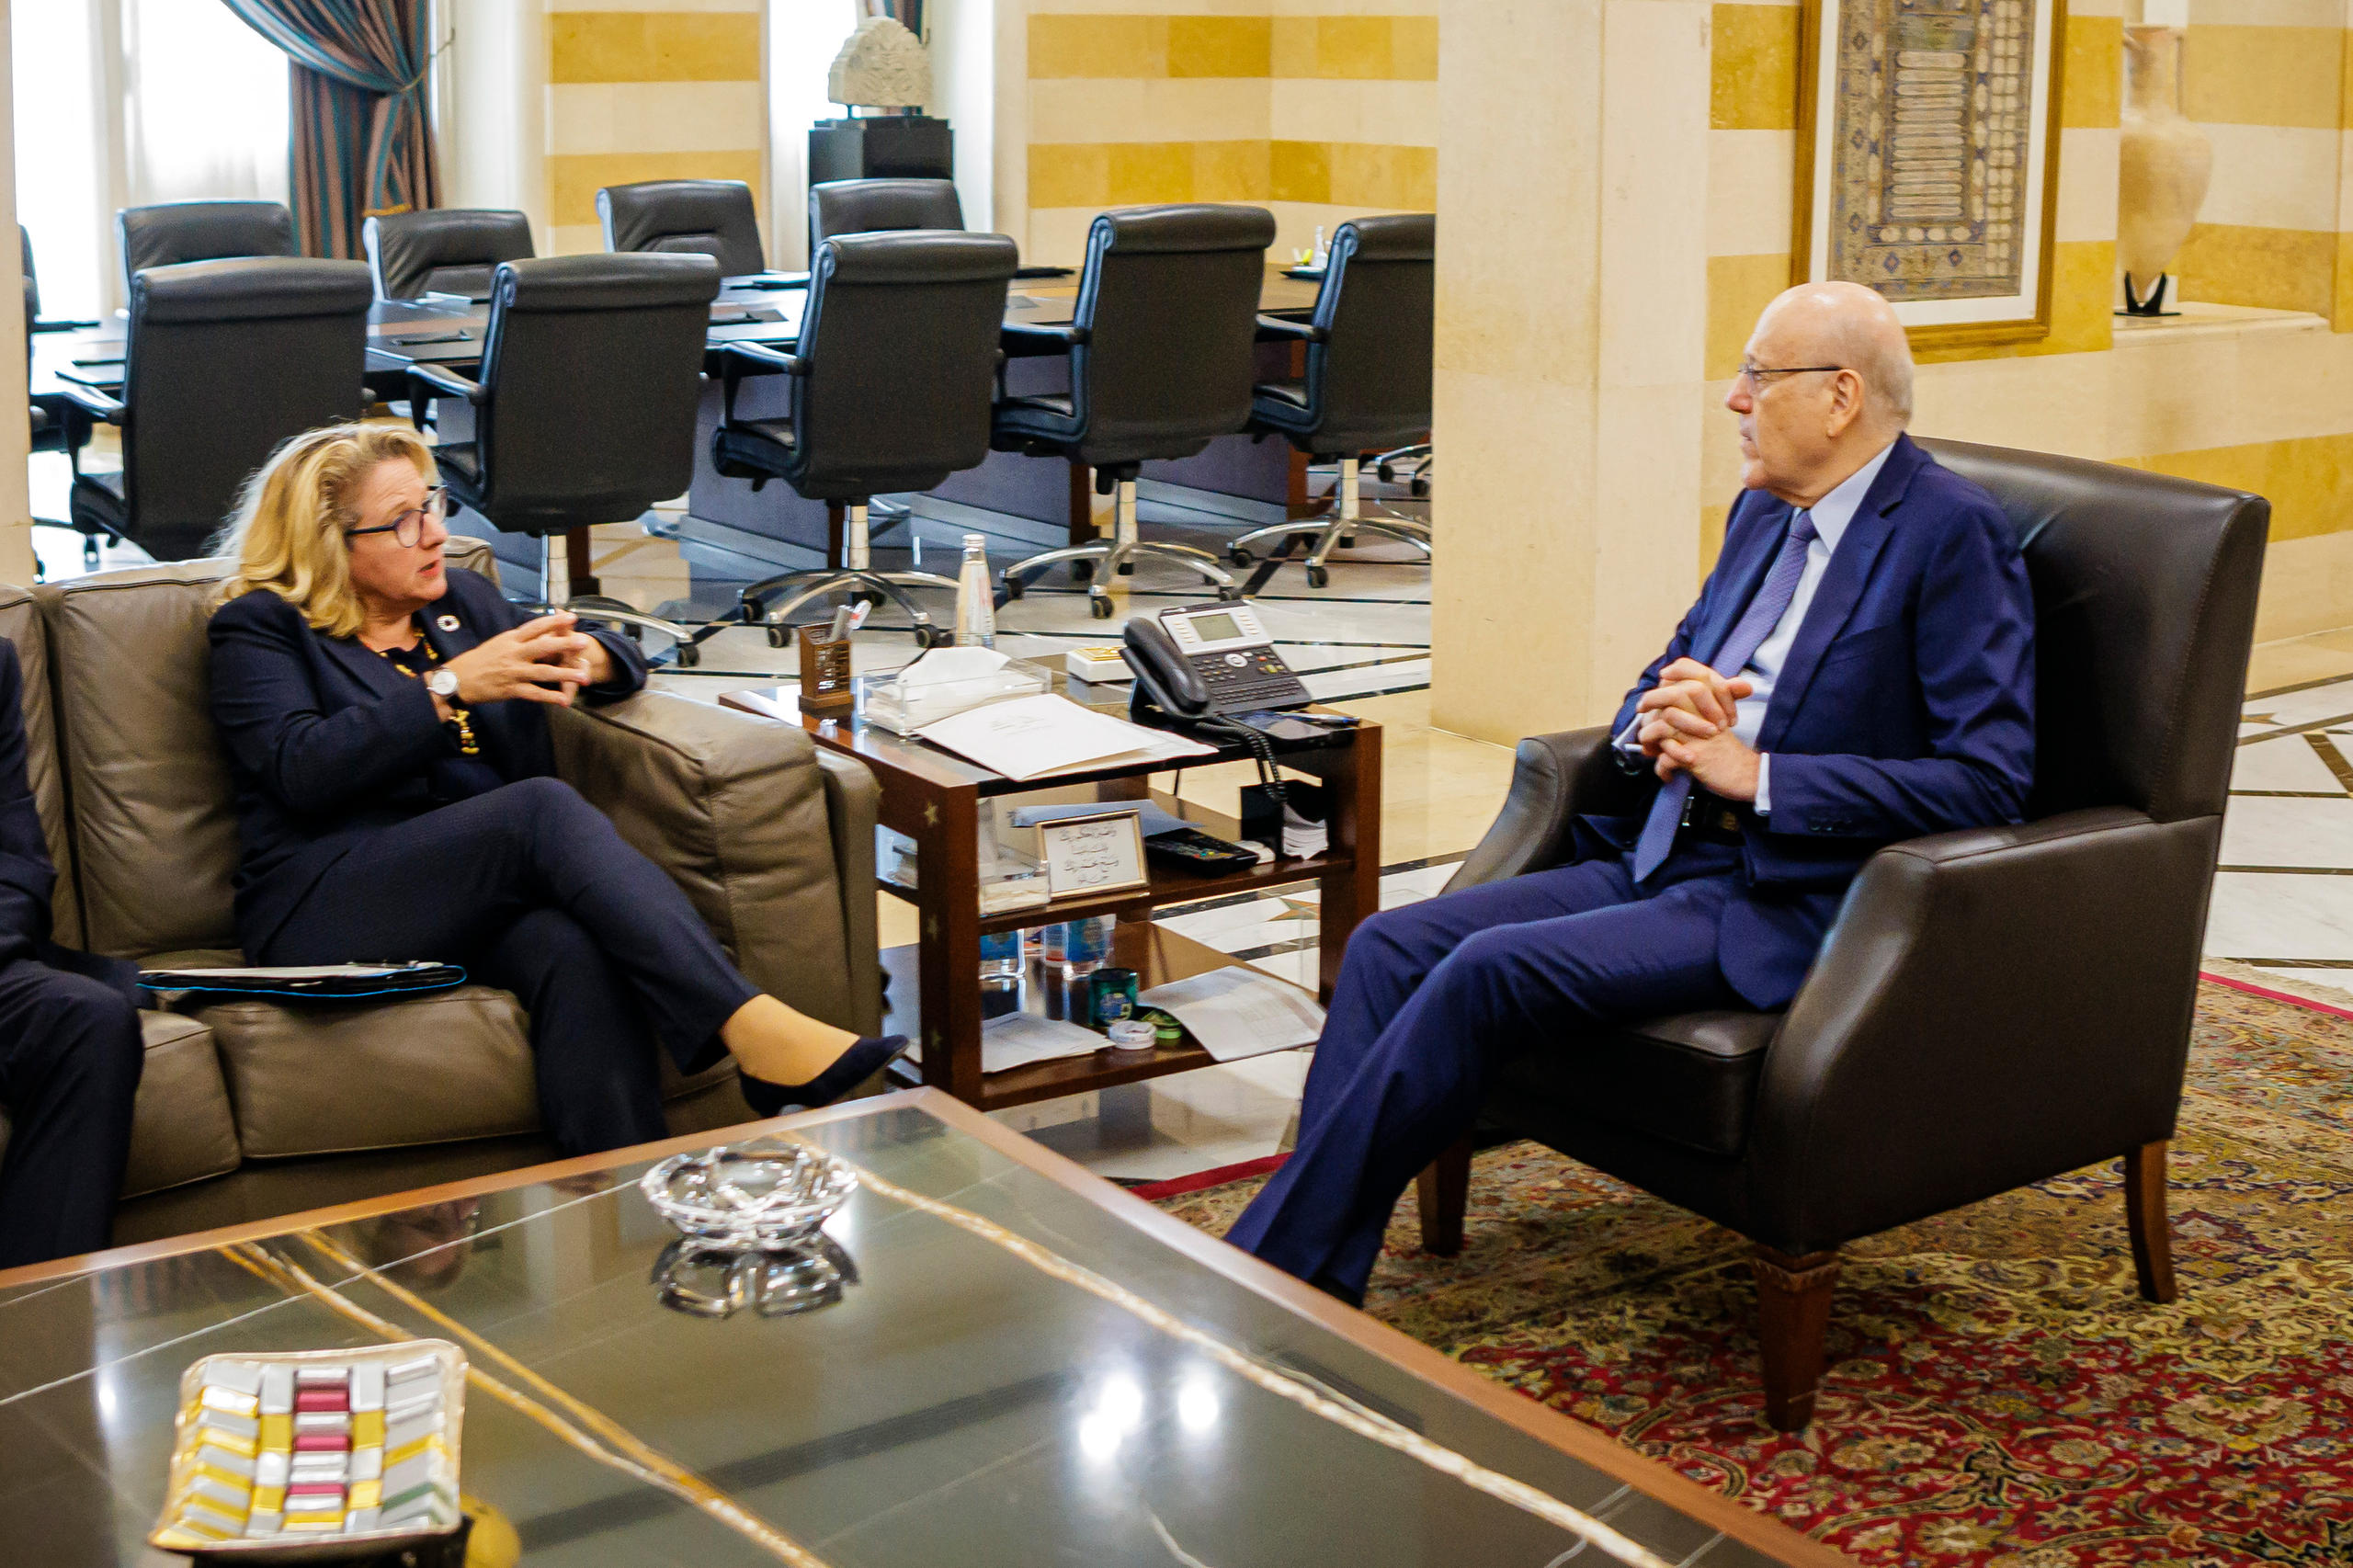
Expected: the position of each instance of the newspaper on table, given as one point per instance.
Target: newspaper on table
(1237, 1011)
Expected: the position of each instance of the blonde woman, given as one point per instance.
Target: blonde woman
(386, 723)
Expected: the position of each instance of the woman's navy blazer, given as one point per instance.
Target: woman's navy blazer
(329, 742)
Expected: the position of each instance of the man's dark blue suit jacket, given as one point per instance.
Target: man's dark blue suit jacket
(328, 743)
(1905, 706)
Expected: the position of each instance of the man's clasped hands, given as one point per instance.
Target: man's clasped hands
(1685, 727)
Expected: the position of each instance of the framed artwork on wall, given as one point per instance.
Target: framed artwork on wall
(1927, 160)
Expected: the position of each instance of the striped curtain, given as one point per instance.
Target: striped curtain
(362, 136)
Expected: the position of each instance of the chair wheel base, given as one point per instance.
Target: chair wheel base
(1013, 587)
(1099, 605)
(1082, 571)
(689, 655)
(1318, 578)
(928, 635)
(1239, 555)
(777, 638)
(1229, 594)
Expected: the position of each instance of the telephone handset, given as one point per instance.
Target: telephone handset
(1210, 660)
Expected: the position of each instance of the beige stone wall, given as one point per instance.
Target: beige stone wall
(650, 89)
(1318, 110)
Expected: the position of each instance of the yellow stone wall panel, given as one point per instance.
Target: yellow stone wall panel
(1147, 172)
(1753, 68)
(1299, 171)
(2309, 482)
(1220, 46)
(1373, 175)
(1413, 48)
(1291, 47)
(2091, 91)
(1739, 287)
(2240, 75)
(1070, 174)
(1357, 47)
(653, 46)
(1231, 171)
(1086, 44)
(573, 178)
(2281, 269)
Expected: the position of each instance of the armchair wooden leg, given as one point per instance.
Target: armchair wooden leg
(1444, 1187)
(1793, 1323)
(2144, 1211)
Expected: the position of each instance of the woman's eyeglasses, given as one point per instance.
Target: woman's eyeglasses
(409, 526)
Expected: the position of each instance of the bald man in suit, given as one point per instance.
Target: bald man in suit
(1859, 670)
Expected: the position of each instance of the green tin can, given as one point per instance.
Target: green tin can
(1111, 996)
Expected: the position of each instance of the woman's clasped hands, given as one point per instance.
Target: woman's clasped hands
(543, 660)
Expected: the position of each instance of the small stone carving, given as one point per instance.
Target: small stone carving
(881, 65)
(2163, 162)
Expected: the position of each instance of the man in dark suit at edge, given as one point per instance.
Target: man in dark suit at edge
(1858, 669)
(70, 1052)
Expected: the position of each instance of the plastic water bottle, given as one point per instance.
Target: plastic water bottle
(1087, 945)
(975, 602)
(1001, 957)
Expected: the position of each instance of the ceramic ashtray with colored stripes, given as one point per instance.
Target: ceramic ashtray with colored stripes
(271, 1453)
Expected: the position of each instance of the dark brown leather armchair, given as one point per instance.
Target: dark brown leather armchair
(1992, 1006)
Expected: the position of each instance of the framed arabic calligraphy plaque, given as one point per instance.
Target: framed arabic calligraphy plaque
(1929, 160)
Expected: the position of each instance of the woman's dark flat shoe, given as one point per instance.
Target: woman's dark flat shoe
(853, 1067)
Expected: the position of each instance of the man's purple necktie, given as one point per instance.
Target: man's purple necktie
(1764, 612)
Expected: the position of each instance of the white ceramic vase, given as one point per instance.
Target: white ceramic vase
(2163, 161)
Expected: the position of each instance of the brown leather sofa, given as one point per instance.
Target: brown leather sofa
(250, 1110)
(1992, 1006)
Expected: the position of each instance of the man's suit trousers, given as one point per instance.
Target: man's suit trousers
(1433, 994)
(533, 891)
(69, 1059)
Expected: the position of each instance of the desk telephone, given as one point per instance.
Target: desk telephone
(1210, 661)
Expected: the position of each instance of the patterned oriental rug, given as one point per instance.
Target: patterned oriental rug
(1999, 1393)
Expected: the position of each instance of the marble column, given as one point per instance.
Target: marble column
(1572, 316)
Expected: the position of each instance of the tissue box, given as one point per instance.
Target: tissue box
(903, 706)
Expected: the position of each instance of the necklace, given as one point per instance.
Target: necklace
(458, 722)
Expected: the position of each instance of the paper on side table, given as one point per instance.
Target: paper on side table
(1032, 737)
(1236, 1012)
(1015, 1039)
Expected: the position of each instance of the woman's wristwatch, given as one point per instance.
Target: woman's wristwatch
(443, 684)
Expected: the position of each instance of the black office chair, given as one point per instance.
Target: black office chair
(224, 360)
(58, 425)
(1367, 383)
(585, 414)
(1161, 361)
(707, 217)
(869, 206)
(447, 250)
(892, 387)
(170, 233)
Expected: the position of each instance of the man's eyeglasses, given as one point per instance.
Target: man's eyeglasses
(409, 526)
(1760, 376)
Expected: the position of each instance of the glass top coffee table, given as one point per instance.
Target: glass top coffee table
(1001, 1360)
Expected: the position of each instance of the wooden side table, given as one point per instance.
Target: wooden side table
(933, 797)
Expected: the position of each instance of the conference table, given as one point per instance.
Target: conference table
(993, 1358)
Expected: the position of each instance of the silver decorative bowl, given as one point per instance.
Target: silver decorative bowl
(765, 1197)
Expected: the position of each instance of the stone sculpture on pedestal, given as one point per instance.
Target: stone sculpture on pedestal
(882, 65)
